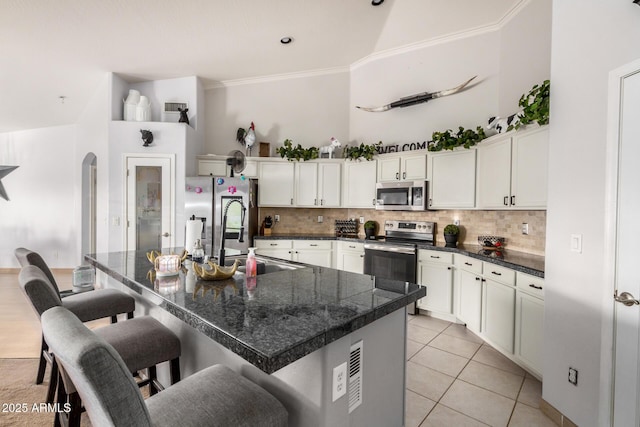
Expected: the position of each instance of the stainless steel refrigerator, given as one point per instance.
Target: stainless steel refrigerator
(207, 198)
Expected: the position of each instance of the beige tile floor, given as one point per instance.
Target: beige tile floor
(455, 379)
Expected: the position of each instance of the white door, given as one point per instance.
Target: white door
(150, 202)
(626, 399)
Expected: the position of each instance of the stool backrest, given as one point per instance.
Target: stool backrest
(108, 391)
(38, 289)
(28, 257)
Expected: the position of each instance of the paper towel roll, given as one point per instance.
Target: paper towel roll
(194, 232)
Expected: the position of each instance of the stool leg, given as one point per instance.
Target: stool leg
(130, 315)
(43, 362)
(152, 377)
(175, 370)
(76, 410)
(53, 381)
(114, 319)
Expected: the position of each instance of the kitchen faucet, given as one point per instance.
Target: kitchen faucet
(224, 227)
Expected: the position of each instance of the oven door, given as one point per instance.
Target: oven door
(394, 262)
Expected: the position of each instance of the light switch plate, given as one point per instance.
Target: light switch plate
(339, 381)
(576, 243)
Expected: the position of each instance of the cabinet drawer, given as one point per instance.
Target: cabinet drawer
(350, 247)
(469, 264)
(435, 256)
(273, 244)
(499, 274)
(312, 244)
(530, 284)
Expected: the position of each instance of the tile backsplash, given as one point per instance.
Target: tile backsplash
(506, 224)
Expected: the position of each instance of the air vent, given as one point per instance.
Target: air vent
(171, 110)
(355, 376)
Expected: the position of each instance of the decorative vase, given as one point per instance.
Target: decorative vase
(143, 110)
(130, 105)
(451, 240)
(369, 233)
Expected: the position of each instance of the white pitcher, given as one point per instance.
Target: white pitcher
(130, 105)
(143, 110)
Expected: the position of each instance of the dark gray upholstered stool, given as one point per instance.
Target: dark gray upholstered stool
(87, 306)
(215, 396)
(143, 342)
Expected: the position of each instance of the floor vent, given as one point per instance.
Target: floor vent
(355, 376)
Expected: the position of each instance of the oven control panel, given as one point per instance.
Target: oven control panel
(409, 227)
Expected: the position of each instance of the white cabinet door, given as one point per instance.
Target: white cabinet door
(306, 184)
(329, 184)
(275, 248)
(470, 300)
(388, 169)
(530, 152)
(276, 184)
(438, 278)
(498, 314)
(322, 258)
(494, 174)
(359, 184)
(452, 182)
(529, 330)
(414, 168)
(351, 261)
(213, 168)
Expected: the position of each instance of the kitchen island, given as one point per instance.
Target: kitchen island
(287, 332)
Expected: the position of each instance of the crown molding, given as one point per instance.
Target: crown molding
(279, 77)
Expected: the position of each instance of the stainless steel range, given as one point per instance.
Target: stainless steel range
(396, 256)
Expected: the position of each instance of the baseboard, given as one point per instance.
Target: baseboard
(555, 415)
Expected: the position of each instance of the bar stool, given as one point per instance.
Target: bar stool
(215, 396)
(91, 305)
(142, 342)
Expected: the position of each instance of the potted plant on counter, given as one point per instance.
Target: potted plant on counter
(451, 233)
(370, 229)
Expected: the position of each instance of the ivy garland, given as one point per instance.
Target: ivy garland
(298, 152)
(365, 151)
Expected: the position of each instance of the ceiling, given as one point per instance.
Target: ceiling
(50, 49)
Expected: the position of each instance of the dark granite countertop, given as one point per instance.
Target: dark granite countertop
(288, 315)
(519, 261)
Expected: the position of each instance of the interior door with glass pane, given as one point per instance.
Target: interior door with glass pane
(150, 207)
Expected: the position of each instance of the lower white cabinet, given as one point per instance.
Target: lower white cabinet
(274, 248)
(435, 271)
(469, 301)
(529, 321)
(498, 314)
(350, 256)
(313, 252)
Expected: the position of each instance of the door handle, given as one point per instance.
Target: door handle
(625, 298)
(505, 200)
(166, 234)
(404, 175)
(513, 200)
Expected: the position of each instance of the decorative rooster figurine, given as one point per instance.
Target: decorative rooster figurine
(247, 137)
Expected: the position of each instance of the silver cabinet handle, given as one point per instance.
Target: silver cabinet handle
(373, 202)
(535, 287)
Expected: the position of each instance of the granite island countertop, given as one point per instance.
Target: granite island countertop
(289, 314)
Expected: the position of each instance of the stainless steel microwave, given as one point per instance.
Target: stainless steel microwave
(401, 196)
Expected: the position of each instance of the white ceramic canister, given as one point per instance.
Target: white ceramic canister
(143, 110)
(130, 105)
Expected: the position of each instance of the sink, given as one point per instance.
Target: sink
(264, 265)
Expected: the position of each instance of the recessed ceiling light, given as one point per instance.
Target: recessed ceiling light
(286, 40)
(376, 2)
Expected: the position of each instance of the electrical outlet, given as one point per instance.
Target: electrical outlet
(525, 228)
(320, 218)
(277, 218)
(573, 376)
(339, 381)
(361, 220)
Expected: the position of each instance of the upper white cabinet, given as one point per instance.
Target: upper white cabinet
(410, 167)
(217, 166)
(276, 184)
(317, 184)
(452, 179)
(512, 170)
(359, 184)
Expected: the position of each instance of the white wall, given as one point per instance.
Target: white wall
(590, 38)
(43, 195)
(309, 110)
(525, 43)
